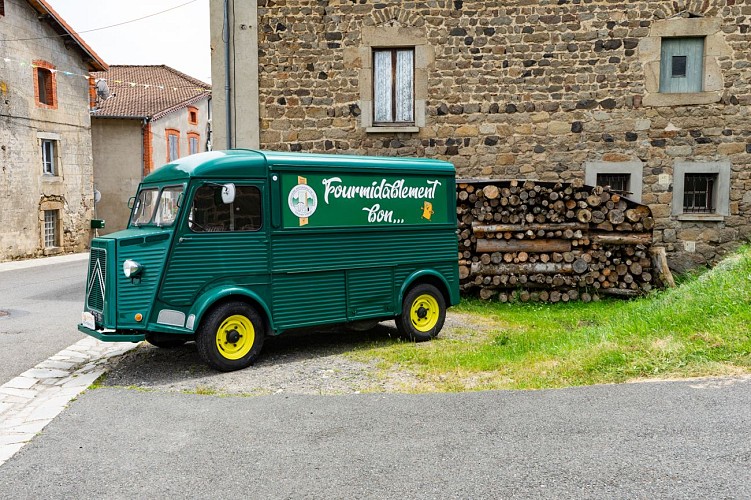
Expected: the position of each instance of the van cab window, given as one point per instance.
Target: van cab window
(144, 206)
(208, 213)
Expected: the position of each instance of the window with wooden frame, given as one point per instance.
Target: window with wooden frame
(45, 85)
(194, 141)
(49, 157)
(394, 87)
(699, 193)
(682, 65)
(173, 144)
(192, 115)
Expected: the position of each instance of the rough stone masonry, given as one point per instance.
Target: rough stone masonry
(520, 89)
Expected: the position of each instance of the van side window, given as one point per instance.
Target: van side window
(208, 213)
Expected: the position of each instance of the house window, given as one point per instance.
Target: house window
(698, 193)
(49, 158)
(616, 182)
(2, 7)
(173, 145)
(50, 228)
(192, 115)
(393, 86)
(701, 191)
(193, 143)
(682, 65)
(45, 85)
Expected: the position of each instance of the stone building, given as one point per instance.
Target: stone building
(650, 97)
(150, 116)
(46, 191)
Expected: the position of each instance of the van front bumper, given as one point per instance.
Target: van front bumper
(111, 336)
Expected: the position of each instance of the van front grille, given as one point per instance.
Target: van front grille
(97, 279)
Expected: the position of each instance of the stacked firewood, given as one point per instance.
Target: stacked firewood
(552, 242)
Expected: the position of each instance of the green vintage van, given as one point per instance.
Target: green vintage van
(227, 247)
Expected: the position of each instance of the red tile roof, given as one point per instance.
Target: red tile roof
(148, 91)
(61, 27)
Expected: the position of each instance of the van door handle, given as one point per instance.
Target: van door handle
(184, 238)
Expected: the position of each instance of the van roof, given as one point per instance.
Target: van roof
(249, 163)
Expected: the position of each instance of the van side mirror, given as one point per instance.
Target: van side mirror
(131, 202)
(228, 193)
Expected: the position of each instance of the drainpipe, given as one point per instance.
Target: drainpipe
(227, 88)
(143, 146)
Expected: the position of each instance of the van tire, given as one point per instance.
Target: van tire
(232, 321)
(423, 313)
(165, 341)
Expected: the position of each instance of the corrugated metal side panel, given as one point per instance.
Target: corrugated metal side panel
(370, 293)
(296, 251)
(138, 296)
(309, 298)
(310, 270)
(211, 257)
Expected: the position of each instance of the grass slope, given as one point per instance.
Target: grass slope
(701, 328)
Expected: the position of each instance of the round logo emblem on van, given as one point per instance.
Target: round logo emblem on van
(302, 200)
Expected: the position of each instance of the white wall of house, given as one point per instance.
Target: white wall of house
(118, 167)
(25, 192)
(178, 120)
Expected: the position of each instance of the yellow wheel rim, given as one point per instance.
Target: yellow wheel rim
(235, 337)
(424, 313)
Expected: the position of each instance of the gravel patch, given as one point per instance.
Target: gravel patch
(310, 362)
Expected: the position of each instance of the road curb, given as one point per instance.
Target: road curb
(14, 265)
(33, 399)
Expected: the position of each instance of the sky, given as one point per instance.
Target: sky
(178, 38)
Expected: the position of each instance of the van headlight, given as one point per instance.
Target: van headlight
(131, 268)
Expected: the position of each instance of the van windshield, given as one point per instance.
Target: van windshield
(144, 207)
(168, 204)
(165, 204)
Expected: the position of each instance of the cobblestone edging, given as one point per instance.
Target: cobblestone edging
(30, 401)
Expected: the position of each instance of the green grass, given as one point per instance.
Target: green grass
(701, 328)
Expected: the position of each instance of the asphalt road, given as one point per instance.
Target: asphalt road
(39, 309)
(663, 440)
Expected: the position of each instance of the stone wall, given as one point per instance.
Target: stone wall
(521, 89)
(24, 191)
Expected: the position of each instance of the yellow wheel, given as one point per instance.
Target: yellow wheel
(423, 313)
(230, 336)
(235, 337)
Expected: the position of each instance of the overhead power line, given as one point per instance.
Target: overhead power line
(103, 27)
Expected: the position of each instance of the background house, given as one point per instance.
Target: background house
(650, 97)
(46, 191)
(150, 116)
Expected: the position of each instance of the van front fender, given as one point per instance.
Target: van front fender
(214, 295)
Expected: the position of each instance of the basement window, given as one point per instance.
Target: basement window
(617, 182)
(701, 191)
(50, 228)
(622, 177)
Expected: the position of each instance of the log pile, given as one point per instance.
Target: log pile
(552, 242)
